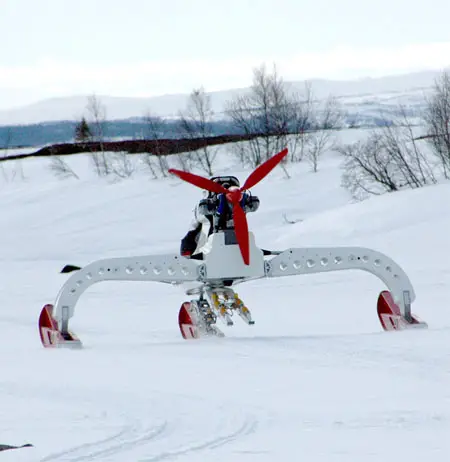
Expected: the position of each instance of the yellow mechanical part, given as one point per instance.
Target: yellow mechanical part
(218, 305)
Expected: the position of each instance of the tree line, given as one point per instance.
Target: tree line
(405, 153)
(270, 116)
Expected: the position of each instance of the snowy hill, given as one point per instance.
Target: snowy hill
(365, 96)
(315, 378)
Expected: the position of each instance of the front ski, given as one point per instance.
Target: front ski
(391, 317)
(51, 336)
(188, 326)
(195, 322)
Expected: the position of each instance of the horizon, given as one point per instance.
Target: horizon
(409, 88)
(356, 79)
(150, 48)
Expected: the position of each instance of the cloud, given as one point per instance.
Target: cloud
(354, 62)
(146, 78)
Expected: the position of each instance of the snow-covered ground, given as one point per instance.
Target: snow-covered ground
(314, 379)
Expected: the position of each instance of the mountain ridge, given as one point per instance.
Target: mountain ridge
(69, 108)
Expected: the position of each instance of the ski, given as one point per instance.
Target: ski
(391, 317)
(195, 322)
(50, 334)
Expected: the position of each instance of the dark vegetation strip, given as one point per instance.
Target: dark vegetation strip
(156, 147)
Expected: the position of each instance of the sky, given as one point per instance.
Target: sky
(152, 47)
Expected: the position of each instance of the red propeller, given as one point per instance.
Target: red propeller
(234, 196)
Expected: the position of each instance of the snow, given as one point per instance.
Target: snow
(314, 379)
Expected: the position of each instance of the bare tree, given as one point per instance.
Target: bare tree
(61, 168)
(17, 169)
(367, 168)
(437, 121)
(325, 120)
(97, 113)
(265, 111)
(122, 164)
(401, 143)
(195, 122)
(155, 160)
(6, 146)
(300, 116)
(387, 161)
(282, 118)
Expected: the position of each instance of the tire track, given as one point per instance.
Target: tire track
(127, 439)
(248, 427)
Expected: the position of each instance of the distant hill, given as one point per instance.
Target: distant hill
(72, 108)
(63, 132)
(366, 102)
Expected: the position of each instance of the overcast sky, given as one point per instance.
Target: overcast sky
(151, 47)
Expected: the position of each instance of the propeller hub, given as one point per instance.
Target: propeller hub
(234, 195)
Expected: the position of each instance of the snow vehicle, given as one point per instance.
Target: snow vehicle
(230, 257)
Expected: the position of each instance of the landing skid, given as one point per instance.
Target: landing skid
(51, 335)
(391, 317)
(198, 318)
(194, 324)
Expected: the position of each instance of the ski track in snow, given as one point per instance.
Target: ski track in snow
(137, 436)
(128, 438)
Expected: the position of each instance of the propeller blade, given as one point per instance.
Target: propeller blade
(241, 230)
(199, 181)
(264, 169)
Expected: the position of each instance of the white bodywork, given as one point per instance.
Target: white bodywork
(224, 262)
(298, 261)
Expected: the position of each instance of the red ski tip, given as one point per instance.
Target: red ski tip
(51, 336)
(391, 317)
(188, 328)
